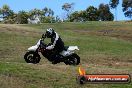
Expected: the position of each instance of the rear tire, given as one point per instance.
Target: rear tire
(74, 59)
(32, 57)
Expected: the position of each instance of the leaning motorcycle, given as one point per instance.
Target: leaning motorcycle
(68, 55)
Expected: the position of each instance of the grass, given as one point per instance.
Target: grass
(105, 47)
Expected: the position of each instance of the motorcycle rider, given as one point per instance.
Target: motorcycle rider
(57, 45)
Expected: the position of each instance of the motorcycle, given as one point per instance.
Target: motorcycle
(68, 55)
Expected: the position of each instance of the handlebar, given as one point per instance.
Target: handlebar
(42, 44)
(43, 36)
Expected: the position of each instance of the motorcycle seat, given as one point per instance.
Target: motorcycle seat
(66, 47)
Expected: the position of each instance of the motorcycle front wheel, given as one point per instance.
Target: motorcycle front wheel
(32, 57)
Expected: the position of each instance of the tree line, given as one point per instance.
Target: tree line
(9, 16)
(93, 14)
(46, 15)
(102, 13)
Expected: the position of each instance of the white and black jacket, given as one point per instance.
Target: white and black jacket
(56, 43)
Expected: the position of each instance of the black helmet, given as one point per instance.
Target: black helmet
(49, 32)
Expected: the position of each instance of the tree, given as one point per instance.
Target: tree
(78, 16)
(5, 10)
(82, 15)
(127, 8)
(57, 19)
(74, 16)
(11, 14)
(47, 19)
(50, 12)
(113, 4)
(11, 17)
(22, 17)
(7, 14)
(35, 12)
(47, 15)
(47, 12)
(91, 14)
(1, 13)
(104, 13)
(68, 7)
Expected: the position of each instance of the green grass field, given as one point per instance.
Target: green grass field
(105, 48)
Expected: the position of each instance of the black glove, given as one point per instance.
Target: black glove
(44, 36)
(43, 45)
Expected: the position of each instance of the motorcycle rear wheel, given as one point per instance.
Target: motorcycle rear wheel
(74, 59)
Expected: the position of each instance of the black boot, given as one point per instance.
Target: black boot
(56, 60)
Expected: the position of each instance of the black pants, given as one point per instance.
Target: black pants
(56, 57)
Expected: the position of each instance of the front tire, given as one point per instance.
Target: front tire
(81, 80)
(32, 57)
(74, 59)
